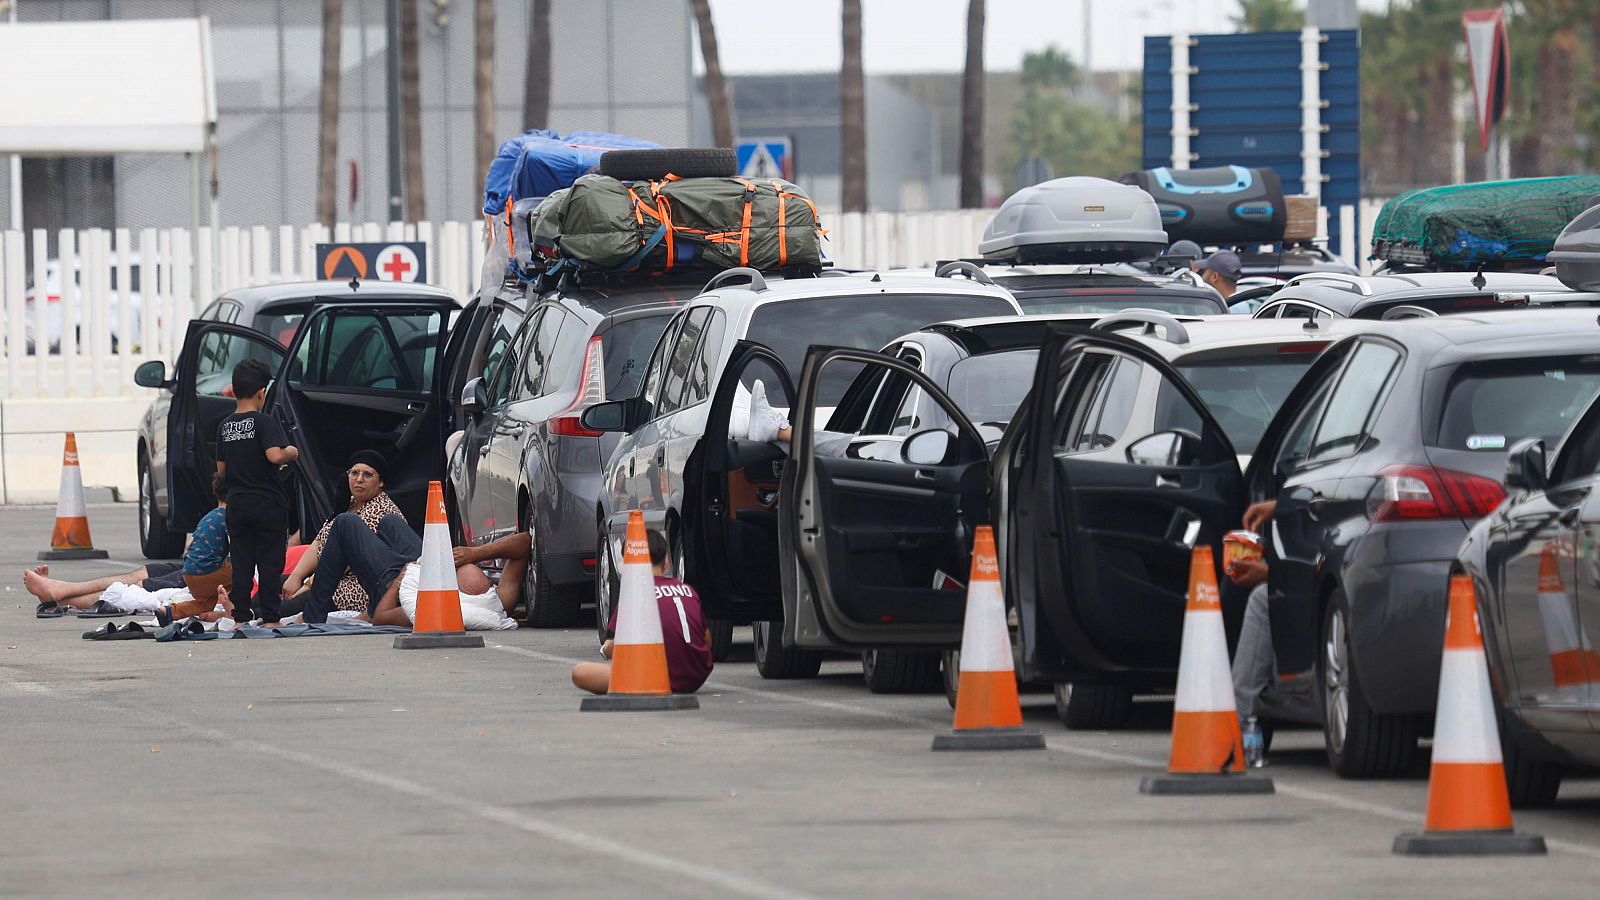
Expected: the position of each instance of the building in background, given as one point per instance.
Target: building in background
(267, 57)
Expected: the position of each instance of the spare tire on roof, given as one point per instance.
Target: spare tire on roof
(684, 162)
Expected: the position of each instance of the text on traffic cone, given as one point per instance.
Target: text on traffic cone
(71, 531)
(986, 694)
(1205, 725)
(438, 594)
(638, 655)
(1467, 783)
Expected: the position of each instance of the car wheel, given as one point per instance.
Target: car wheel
(898, 671)
(1360, 743)
(1531, 782)
(1084, 706)
(773, 660)
(721, 638)
(950, 673)
(606, 583)
(154, 539)
(548, 605)
(648, 165)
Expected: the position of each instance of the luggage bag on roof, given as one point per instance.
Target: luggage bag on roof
(1218, 205)
(1463, 226)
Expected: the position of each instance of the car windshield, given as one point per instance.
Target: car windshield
(1097, 301)
(989, 388)
(1492, 405)
(866, 322)
(1243, 393)
(626, 346)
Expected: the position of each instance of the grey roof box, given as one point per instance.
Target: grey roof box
(1576, 253)
(1075, 220)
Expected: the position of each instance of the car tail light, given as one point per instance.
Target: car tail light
(1408, 493)
(591, 390)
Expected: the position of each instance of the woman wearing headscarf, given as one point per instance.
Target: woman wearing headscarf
(359, 552)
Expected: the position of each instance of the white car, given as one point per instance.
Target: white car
(52, 296)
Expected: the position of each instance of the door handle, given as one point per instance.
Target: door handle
(517, 431)
(1167, 481)
(483, 449)
(923, 475)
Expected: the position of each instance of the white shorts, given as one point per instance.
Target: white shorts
(132, 598)
(479, 612)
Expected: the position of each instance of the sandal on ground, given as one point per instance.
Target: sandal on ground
(130, 632)
(100, 609)
(103, 633)
(49, 609)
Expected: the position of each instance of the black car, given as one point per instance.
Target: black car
(1332, 295)
(1535, 563)
(363, 370)
(523, 461)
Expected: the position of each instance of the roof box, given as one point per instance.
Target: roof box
(1075, 220)
(1219, 205)
(1577, 250)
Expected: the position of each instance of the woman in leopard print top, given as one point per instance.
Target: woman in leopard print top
(372, 506)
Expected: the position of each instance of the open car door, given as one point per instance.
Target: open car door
(366, 376)
(202, 397)
(1119, 480)
(878, 529)
(730, 506)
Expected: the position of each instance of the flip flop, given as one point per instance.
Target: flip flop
(130, 632)
(49, 609)
(100, 609)
(103, 633)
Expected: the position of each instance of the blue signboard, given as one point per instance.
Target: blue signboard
(1245, 94)
(765, 158)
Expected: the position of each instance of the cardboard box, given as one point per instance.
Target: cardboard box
(1302, 221)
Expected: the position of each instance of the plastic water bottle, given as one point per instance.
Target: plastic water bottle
(1255, 751)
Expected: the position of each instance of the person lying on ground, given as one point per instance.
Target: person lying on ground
(358, 553)
(683, 632)
(484, 605)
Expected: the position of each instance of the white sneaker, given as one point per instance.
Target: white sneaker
(765, 422)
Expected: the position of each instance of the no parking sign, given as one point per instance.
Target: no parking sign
(406, 261)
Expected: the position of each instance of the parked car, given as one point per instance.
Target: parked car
(360, 370)
(1101, 289)
(1394, 446)
(1535, 564)
(1332, 295)
(715, 499)
(524, 461)
(51, 293)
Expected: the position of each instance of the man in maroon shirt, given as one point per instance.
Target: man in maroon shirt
(683, 631)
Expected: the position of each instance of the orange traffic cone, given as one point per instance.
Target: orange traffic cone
(639, 679)
(988, 713)
(1469, 809)
(438, 622)
(1571, 656)
(1207, 746)
(70, 538)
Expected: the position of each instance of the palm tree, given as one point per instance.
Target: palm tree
(716, 85)
(972, 110)
(1553, 103)
(411, 114)
(328, 121)
(536, 82)
(852, 114)
(1268, 15)
(484, 145)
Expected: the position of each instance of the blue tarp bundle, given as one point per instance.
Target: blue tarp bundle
(538, 162)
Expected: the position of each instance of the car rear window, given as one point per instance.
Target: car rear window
(867, 322)
(1491, 405)
(626, 346)
(989, 388)
(1085, 300)
(1243, 393)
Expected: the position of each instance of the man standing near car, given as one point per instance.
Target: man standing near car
(1221, 270)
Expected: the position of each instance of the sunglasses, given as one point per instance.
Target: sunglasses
(361, 474)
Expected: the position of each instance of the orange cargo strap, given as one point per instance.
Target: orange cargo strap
(744, 226)
(783, 243)
(511, 247)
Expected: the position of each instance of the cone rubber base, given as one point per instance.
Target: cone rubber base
(1206, 784)
(989, 739)
(1468, 843)
(74, 553)
(638, 702)
(433, 640)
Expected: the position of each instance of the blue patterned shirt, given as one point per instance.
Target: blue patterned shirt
(210, 545)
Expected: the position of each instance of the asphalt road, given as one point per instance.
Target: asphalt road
(343, 767)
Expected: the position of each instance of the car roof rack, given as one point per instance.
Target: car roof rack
(949, 270)
(1342, 280)
(757, 283)
(1150, 319)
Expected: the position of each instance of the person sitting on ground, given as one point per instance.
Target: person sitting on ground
(357, 553)
(484, 605)
(683, 632)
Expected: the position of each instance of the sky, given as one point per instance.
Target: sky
(930, 35)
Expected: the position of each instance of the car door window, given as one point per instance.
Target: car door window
(1354, 402)
(1104, 398)
(382, 350)
(703, 371)
(215, 358)
(511, 363)
(501, 333)
(650, 392)
(676, 375)
(539, 365)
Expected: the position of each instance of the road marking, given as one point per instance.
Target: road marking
(587, 842)
(1303, 793)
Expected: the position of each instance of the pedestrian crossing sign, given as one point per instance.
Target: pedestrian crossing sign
(765, 158)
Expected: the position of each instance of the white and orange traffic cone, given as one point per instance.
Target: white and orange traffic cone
(988, 711)
(438, 620)
(639, 678)
(1207, 746)
(1469, 808)
(70, 538)
(1572, 659)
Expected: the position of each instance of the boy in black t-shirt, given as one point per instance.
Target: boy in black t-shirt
(250, 447)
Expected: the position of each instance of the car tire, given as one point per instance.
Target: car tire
(155, 541)
(775, 661)
(549, 605)
(1085, 706)
(1531, 782)
(893, 670)
(950, 674)
(692, 162)
(1360, 743)
(606, 583)
(721, 638)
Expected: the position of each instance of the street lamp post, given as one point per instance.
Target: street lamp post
(392, 76)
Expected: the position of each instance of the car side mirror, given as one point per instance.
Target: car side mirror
(1165, 448)
(472, 397)
(927, 448)
(151, 374)
(609, 416)
(1526, 466)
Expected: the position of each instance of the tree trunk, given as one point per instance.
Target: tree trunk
(328, 121)
(1557, 103)
(852, 115)
(716, 85)
(484, 145)
(536, 83)
(416, 201)
(1437, 124)
(972, 111)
